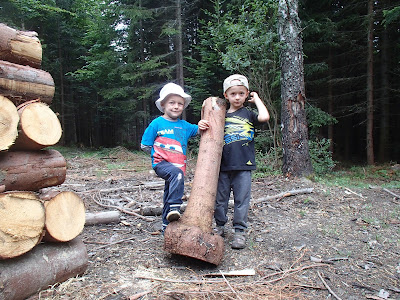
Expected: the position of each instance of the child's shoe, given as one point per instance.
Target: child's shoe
(219, 230)
(173, 215)
(239, 240)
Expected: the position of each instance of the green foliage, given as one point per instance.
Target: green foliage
(317, 119)
(320, 155)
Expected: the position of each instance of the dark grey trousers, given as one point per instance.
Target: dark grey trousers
(240, 184)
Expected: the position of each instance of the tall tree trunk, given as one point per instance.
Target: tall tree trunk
(179, 49)
(370, 87)
(296, 157)
(385, 105)
(330, 102)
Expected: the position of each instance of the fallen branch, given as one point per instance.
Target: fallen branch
(284, 194)
(385, 190)
(245, 272)
(352, 192)
(129, 212)
(327, 286)
(139, 295)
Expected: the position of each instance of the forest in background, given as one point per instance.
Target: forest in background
(109, 60)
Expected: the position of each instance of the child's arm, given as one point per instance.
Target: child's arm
(203, 125)
(263, 114)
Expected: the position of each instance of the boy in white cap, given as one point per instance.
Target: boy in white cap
(238, 156)
(166, 139)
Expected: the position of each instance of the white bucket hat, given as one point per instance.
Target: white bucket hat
(169, 89)
(235, 79)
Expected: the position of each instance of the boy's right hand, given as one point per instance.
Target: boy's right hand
(203, 124)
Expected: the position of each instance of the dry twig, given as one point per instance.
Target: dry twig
(284, 194)
(327, 286)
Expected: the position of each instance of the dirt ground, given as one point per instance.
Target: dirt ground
(330, 243)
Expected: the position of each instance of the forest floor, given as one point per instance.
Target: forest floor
(334, 242)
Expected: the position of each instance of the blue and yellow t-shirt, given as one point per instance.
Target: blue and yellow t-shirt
(238, 152)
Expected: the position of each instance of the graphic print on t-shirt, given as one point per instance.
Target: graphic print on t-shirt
(169, 150)
(238, 129)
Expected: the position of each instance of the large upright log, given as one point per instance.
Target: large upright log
(22, 218)
(192, 235)
(9, 119)
(65, 217)
(38, 127)
(44, 266)
(23, 83)
(20, 47)
(31, 170)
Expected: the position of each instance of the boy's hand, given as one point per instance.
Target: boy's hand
(203, 124)
(254, 97)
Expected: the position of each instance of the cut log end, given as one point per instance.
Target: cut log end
(192, 242)
(9, 119)
(65, 217)
(22, 219)
(39, 127)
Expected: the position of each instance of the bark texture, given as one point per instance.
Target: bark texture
(296, 157)
(44, 266)
(39, 127)
(31, 170)
(192, 235)
(23, 83)
(20, 47)
(22, 218)
(9, 120)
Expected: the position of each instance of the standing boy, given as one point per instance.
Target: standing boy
(166, 139)
(238, 156)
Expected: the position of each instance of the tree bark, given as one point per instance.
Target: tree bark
(65, 217)
(23, 83)
(296, 157)
(192, 235)
(370, 85)
(20, 47)
(103, 217)
(31, 170)
(44, 266)
(39, 127)
(22, 218)
(9, 120)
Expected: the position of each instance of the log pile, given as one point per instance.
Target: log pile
(27, 127)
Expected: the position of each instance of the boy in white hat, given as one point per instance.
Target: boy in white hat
(238, 156)
(166, 139)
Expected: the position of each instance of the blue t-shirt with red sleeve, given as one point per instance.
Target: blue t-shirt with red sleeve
(169, 140)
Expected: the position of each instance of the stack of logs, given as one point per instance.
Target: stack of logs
(27, 216)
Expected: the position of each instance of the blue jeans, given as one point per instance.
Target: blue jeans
(240, 183)
(173, 189)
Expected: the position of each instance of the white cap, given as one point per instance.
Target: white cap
(235, 79)
(169, 89)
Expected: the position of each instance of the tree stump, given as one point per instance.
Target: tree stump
(23, 83)
(39, 127)
(22, 220)
(192, 235)
(65, 217)
(9, 120)
(31, 170)
(20, 47)
(44, 266)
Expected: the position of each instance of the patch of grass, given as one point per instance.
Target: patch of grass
(363, 177)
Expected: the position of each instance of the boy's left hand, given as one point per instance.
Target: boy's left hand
(254, 97)
(203, 124)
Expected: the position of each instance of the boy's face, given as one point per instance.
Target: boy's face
(173, 106)
(236, 95)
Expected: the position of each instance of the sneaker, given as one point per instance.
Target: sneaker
(219, 230)
(173, 215)
(239, 240)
